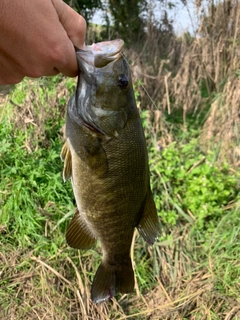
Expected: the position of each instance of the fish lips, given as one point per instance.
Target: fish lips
(98, 55)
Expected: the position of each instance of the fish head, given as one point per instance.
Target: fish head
(104, 92)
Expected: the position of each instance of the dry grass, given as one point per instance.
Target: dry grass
(185, 73)
(222, 127)
(30, 113)
(185, 277)
(58, 287)
(208, 56)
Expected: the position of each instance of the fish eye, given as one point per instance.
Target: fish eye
(122, 81)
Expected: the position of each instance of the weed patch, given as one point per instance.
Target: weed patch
(190, 273)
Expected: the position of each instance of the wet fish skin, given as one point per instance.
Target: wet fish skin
(105, 156)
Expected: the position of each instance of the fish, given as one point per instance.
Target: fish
(105, 157)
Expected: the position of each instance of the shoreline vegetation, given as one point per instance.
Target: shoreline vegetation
(187, 92)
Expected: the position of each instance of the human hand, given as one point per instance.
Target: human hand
(37, 39)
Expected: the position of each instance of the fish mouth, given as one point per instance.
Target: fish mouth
(100, 54)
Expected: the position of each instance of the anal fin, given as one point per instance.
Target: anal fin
(78, 235)
(149, 226)
(67, 158)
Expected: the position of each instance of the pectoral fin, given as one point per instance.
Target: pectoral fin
(67, 158)
(148, 226)
(78, 235)
(96, 156)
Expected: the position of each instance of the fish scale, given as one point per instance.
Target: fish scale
(105, 156)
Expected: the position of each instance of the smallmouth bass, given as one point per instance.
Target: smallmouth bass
(105, 156)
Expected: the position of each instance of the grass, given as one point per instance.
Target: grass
(193, 270)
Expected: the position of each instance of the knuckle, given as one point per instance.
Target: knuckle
(57, 54)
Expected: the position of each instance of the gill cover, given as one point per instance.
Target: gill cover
(100, 102)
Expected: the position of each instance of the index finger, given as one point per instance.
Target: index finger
(73, 23)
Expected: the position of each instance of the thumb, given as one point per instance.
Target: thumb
(73, 23)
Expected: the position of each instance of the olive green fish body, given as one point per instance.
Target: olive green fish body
(105, 156)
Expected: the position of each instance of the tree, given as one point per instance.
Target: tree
(128, 22)
(86, 8)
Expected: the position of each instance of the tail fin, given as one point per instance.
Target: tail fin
(110, 280)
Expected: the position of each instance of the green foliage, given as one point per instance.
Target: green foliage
(136, 88)
(127, 19)
(189, 185)
(223, 249)
(197, 200)
(32, 191)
